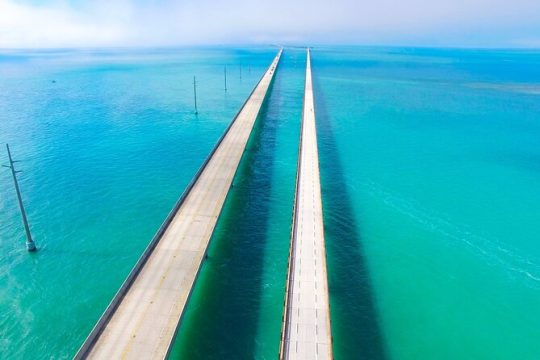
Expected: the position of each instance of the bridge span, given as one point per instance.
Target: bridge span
(141, 320)
(306, 330)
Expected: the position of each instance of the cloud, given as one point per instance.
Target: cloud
(63, 23)
(57, 25)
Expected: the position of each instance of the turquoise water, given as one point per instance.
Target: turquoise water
(431, 189)
(430, 179)
(106, 151)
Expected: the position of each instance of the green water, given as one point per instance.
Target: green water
(431, 189)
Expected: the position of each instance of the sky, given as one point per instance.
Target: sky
(96, 23)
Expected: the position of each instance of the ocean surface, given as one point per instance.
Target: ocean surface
(430, 180)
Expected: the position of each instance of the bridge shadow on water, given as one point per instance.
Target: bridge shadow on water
(221, 320)
(355, 324)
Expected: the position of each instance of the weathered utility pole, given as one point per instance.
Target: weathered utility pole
(225, 73)
(195, 94)
(30, 245)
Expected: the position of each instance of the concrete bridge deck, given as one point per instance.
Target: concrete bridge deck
(142, 319)
(306, 326)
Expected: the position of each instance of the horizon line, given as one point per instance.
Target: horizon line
(276, 45)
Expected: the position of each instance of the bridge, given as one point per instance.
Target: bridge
(306, 324)
(142, 318)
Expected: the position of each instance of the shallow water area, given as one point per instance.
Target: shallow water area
(108, 140)
(430, 183)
